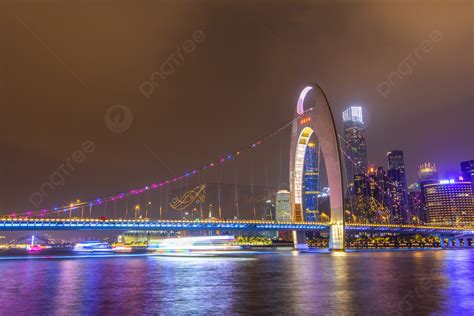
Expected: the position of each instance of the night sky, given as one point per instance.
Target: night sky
(64, 64)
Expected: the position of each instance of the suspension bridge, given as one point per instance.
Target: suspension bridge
(138, 209)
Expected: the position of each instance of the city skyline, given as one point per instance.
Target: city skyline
(253, 157)
(417, 115)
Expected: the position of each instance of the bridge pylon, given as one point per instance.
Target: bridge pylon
(318, 120)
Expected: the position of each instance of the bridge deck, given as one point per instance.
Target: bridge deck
(98, 224)
(249, 225)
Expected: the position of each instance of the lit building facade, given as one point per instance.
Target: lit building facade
(467, 169)
(356, 163)
(283, 206)
(360, 198)
(311, 183)
(354, 135)
(398, 187)
(449, 202)
(415, 203)
(378, 195)
(269, 211)
(427, 174)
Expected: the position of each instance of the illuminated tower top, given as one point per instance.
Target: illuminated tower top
(353, 114)
(354, 136)
(427, 172)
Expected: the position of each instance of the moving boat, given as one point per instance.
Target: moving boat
(98, 247)
(194, 244)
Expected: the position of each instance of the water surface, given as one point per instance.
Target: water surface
(382, 283)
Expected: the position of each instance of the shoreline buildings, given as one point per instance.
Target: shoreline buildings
(311, 183)
(378, 196)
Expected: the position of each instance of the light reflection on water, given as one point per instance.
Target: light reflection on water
(391, 282)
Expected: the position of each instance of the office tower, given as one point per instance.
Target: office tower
(415, 203)
(355, 149)
(355, 143)
(427, 174)
(378, 195)
(283, 207)
(360, 199)
(398, 186)
(467, 169)
(449, 202)
(269, 211)
(311, 183)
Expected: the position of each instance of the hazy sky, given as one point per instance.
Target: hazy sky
(64, 64)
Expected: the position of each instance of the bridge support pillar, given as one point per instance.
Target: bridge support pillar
(336, 236)
(442, 243)
(458, 242)
(299, 240)
(450, 242)
(466, 242)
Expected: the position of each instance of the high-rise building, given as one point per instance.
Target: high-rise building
(398, 186)
(356, 163)
(360, 199)
(269, 211)
(355, 143)
(449, 202)
(415, 203)
(378, 195)
(427, 174)
(311, 183)
(283, 207)
(467, 169)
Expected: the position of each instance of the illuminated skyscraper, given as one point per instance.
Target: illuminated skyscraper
(283, 207)
(311, 183)
(269, 211)
(398, 186)
(355, 143)
(379, 198)
(467, 169)
(415, 202)
(427, 174)
(449, 202)
(356, 163)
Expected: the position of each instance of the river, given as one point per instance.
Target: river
(419, 282)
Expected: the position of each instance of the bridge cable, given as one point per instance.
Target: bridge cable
(167, 182)
(219, 173)
(235, 164)
(252, 185)
(161, 196)
(126, 208)
(147, 203)
(267, 183)
(281, 153)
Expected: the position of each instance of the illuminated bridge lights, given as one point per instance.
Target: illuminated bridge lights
(216, 224)
(145, 224)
